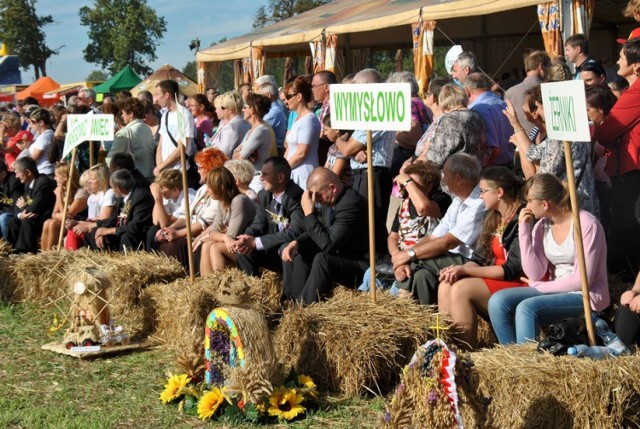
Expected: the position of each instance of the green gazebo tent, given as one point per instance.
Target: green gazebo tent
(124, 79)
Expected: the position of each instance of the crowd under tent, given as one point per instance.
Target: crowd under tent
(340, 35)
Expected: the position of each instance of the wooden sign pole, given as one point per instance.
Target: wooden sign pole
(187, 210)
(575, 208)
(372, 216)
(72, 166)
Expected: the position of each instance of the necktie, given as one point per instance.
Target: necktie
(277, 207)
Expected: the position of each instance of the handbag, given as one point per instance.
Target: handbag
(384, 268)
(565, 334)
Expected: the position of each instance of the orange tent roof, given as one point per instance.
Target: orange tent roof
(38, 88)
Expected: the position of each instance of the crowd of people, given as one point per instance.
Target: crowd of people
(483, 226)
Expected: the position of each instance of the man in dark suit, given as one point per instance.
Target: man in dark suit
(278, 221)
(11, 188)
(132, 216)
(35, 207)
(334, 246)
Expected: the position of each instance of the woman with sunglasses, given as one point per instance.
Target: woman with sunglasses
(302, 139)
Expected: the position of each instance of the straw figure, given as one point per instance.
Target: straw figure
(237, 336)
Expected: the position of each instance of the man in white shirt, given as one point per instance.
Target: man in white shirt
(452, 242)
(168, 154)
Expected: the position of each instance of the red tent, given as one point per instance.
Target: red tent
(8, 98)
(37, 90)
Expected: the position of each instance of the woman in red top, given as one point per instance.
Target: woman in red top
(620, 133)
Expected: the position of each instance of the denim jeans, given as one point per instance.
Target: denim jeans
(4, 223)
(517, 313)
(382, 284)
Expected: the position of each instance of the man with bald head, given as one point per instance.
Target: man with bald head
(334, 245)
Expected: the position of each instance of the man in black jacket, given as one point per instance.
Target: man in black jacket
(33, 208)
(132, 216)
(334, 246)
(11, 188)
(277, 222)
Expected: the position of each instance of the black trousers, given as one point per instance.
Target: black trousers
(310, 277)
(24, 234)
(382, 182)
(251, 263)
(114, 242)
(627, 326)
(425, 275)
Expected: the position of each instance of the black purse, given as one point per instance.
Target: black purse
(384, 268)
(565, 334)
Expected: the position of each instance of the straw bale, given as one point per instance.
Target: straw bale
(350, 345)
(528, 389)
(486, 337)
(43, 278)
(5, 248)
(178, 311)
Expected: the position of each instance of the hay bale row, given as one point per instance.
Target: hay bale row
(528, 389)
(44, 279)
(179, 310)
(351, 345)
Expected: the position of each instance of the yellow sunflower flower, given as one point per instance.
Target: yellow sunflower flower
(306, 381)
(209, 403)
(285, 403)
(173, 388)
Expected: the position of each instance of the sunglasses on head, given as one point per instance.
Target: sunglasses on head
(291, 95)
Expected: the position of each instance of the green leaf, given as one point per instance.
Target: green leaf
(251, 413)
(190, 403)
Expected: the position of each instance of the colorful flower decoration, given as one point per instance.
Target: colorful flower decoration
(221, 344)
(209, 403)
(285, 404)
(174, 388)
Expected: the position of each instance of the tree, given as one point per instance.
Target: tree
(21, 30)
(97, 76)
(122, 32)
(190, 71)
(278, 10)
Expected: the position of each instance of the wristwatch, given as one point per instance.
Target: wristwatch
(412, 254)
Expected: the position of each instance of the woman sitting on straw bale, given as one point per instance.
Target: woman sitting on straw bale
(234, 213)
(550, 263)
(244, 173)
(172, 240)
(99, 204)
(465, 290)
(77, 204)
(422, 206)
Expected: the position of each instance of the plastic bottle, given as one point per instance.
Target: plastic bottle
(611, 340)
(207, 143)
(594, 352)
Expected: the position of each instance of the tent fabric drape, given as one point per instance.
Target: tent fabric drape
(259, 62)
(576, 17)
(359, 59)
(561, 19)
(209, 72)
(549, 17)
(422, 33)
(317, 55)
(238, 76)
(288, 70)
(334, 59)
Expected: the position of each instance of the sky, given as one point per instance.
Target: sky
(208, 20)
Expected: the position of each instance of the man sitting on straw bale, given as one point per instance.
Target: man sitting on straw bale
(131, 218)
(452, 242)
(334, 246)
(278, 221)
(32, 209)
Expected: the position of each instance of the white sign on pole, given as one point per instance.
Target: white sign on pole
(380, 106)
(84, 127)
(565, 111)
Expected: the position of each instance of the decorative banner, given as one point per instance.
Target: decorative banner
(85, 127)
(381, 106)
(565, 111)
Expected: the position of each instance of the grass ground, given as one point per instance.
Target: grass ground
(41, 389)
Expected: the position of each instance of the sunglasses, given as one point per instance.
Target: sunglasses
(290, 96)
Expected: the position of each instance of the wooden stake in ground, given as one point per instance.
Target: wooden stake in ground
(185, 187)
(372, 217)
(575, 208)
(72, 166)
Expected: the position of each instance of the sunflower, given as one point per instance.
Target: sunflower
(173, 388)
(285, 403)
(306, 381)
(209, 403)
